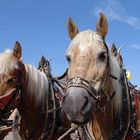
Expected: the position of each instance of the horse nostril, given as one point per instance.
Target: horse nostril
(85, 103)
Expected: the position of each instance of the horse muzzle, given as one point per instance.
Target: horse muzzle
(78, 105)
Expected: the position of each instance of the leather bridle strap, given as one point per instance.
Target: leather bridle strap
(80, 82)
(16, 94)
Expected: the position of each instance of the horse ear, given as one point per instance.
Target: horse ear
(42, 61)
(72, 28)
(17, 51)
(102, 25)
(113, 48)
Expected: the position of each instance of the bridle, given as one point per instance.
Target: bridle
(86, 84)
(11, 100)
(96, 95)
(81, 82)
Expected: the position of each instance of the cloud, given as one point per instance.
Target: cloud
(115, 11)
(135, 46)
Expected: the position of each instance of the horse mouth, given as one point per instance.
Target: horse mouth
(79, 119)
(78, 105)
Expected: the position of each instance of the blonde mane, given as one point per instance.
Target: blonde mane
(37, 83)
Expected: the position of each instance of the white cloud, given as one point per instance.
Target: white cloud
(115, 11)
(135, 46)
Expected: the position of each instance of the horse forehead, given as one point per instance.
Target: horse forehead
(86, 41)
(8, 63)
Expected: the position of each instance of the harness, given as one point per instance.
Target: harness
(134, 111)
(54, 117)
(50, 107)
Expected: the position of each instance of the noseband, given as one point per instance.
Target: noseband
(81, 82)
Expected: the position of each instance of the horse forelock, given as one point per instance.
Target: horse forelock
(7, 62)
(37, 84)
(86, 40)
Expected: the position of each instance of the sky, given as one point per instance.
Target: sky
(40, 28)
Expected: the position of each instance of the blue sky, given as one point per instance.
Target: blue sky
(40, 27)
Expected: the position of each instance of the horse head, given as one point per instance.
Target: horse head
(11, 78)
(88, 70)
(97, 92)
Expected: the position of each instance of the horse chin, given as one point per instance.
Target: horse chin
(78, 105)
(80, 119)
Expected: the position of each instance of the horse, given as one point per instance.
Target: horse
(60, 122)
(134, 93)
(97, 97)
(24, 87)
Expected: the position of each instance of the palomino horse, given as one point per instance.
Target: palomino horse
(97, 96)
(24, 87)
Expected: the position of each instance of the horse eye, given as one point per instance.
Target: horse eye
(10, 81)
(102, 56)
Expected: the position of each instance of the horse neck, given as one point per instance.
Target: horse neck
(33, 99)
